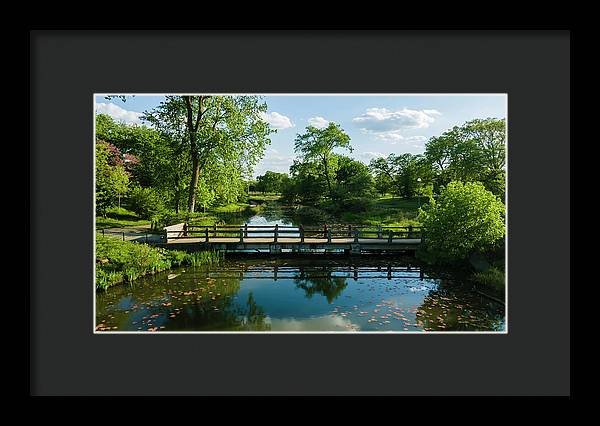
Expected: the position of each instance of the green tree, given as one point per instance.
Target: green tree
(318, 145)
(474, 151)
(352, 178)
(226, 129)
(271, 182)
(112, 180)
(103, 192)
(399, 173)
(466, 218)
(119, 182)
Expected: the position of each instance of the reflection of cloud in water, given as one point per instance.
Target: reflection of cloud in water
(323, 323)
(421, 287)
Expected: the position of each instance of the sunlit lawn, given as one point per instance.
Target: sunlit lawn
(119, 217)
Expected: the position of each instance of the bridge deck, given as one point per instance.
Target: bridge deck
(297, 240)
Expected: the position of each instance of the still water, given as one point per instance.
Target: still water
(290, 294)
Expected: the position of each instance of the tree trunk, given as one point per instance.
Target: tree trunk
(325, 164)
(194, 182)
(192, 131)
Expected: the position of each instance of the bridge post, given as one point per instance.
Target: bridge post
(276, 232)
(214, 230)
(389, 272)
(246, 230)
(185, 227)
(301, 233)
(410, 231)
(379, 234)
(123, 235)
(349, 230)
(389, 235)
(355, 273)
(206, 234)
(329, 235)
(241, 235)
(325, 231)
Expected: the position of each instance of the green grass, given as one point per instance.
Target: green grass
(118, 218)
(229, 208)
(120, 261)
(257, 197)
(391, 211)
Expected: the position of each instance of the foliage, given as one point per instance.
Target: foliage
(492, 277)
(466, 218)
(317, 145)
(112, 180)
(125, 261)
(226, 130)
(146, 202)
(271, 182)
(474, 151)
(400, 174)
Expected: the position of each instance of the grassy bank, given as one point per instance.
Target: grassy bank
(118, 218)
(120, 261)
(390, 211)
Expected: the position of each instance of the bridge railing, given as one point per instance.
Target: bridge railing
(328, 233)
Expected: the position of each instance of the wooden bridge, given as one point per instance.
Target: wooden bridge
(277, 238)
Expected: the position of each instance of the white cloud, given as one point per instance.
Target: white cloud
(277, 120)
(318, 122)
(118, 113)
(367, 156)
(394, 136)
(383, 120)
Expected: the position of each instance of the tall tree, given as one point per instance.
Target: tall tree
(318, 144)
(229, 129)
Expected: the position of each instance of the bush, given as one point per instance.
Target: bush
(492, 277)
(125, 261)
(146, 202)
(355, 204)
(466, 218)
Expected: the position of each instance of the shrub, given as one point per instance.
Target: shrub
(355, 204)
(146, 202)
(492, 277)
(125, 261)
(466, 218)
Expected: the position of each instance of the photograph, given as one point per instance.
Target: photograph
(356, 213)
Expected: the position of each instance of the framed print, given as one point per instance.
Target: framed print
(386, 208)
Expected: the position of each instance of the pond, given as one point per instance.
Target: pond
(299, 293)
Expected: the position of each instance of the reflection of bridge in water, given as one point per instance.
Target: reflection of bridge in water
(281, 238)
(354, 272)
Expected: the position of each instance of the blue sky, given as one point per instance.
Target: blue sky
(377, 125)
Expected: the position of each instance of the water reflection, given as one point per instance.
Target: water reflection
(320, 282)
(315, 293)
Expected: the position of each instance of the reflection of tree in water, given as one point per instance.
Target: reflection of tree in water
(274, 212)
(254, 317)
(455, 307)
(211, 307)
(320, 282)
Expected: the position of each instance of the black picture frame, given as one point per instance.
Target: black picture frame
(67, 67)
